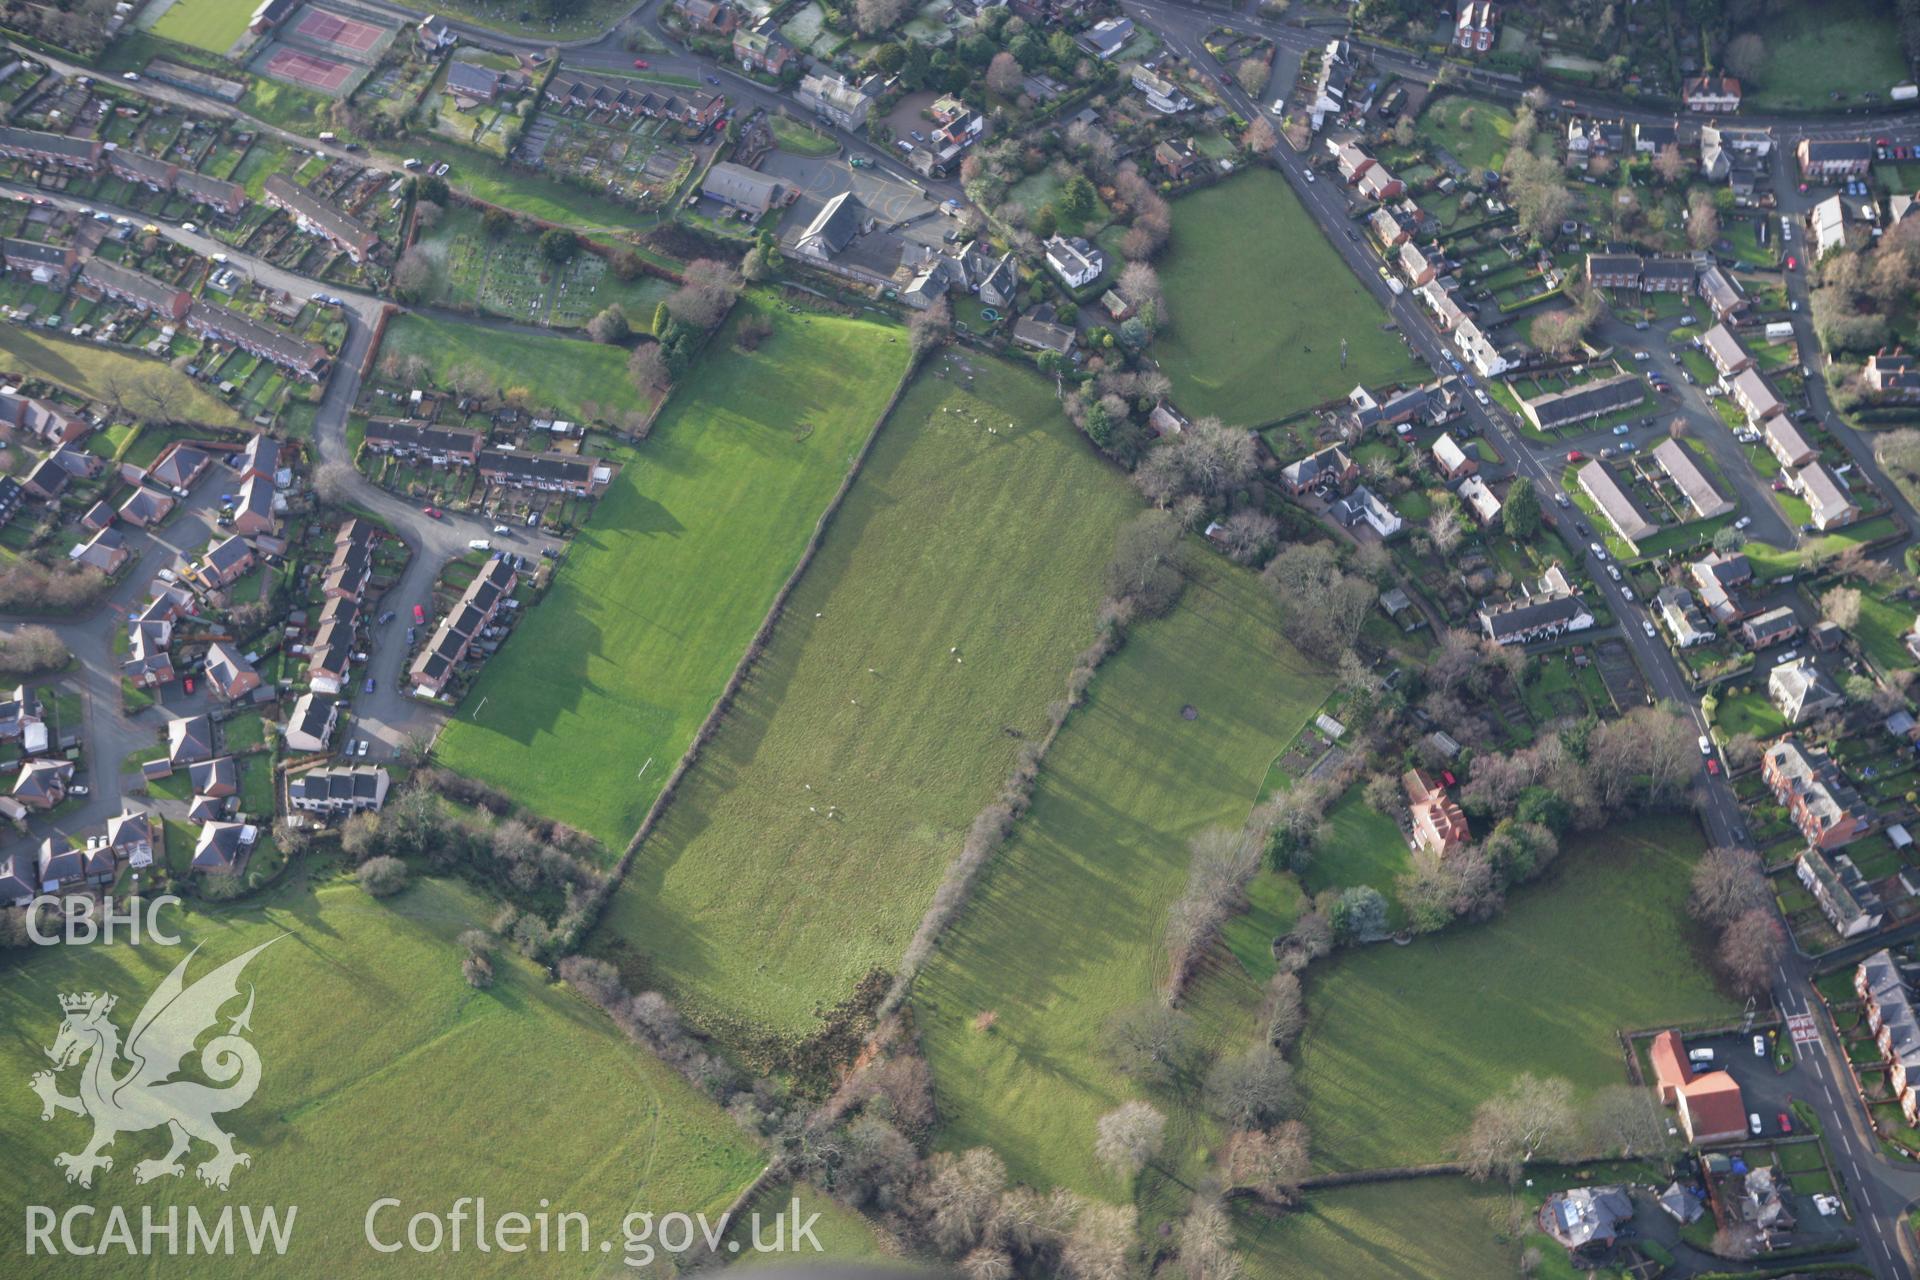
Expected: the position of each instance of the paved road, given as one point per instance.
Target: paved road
(1881, 1189)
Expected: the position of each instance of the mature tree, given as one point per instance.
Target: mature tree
(1359, 914)
(1749, 948)
(1251, 1090)
(1532, 1118)
(1251, 75)
(611, 325)
(1284, 1011)
(1444, 527)
(1145, 565)
(333, 482)
(1703, 220)
(1627, 1121)
(1004, 76)
(383, 877)
(930, 328)
(1151, 1043)
(31, 650)
(1728, 882)
(708, 294)
(1670, 164)
(559, 245)
(1250, 536)
(872, 17)
(1100, 1244)
(1841, 606)
(1206, 1242)
(1270, 1162)
(1128, 1137)
(413, 275)
(1259, 136)
(1745, 57)
(1521, 513)
(647, 366)
(959, 1196)
(1322, 607)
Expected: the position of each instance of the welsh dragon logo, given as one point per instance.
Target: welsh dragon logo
(145, 1095)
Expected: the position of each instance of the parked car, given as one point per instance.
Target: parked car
(1706, 745)
(79, 789)
(435, 512)
(1562, 500)
(502, 530)
(1627, 592)
(1786, 1123)
(1622, 429)
(1599, 552)
(386, 617)
(1743, 522)
(419, 616)
(1713, 767)
(365, 745)
(1699, 1055)
(641, 64)
(1574, 455)
(187, 684)
(368, 686)
(1753, 1122)
(1648, 628)
(1613, 571)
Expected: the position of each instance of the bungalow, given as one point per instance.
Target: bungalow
(1453, 462)
(1711, 94)
(1724, 348)
(1107, 37)
(1696, 490)
(222, 847)
(1038, 330)
(1800, 690)
(1826, 808)
(1075, 261)
(1328, 465)
(1828, 501)
(310, 727)
(1825, 159)
(1775, 626)
(1893, 373)
(42, 784)
(355, 789)
(1615, 503)
(225, 562)
(180, 465)
(1685, 623)
(1751, 393)
(1579, 404)
(317, 217)
(230, 675)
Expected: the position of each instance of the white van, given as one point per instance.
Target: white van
(1700, 1055)
(479, 544)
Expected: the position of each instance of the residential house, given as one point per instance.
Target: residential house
(1832, 226)
(145, 507)
(763, 51)
(42, 784)
(225, 562)
(56, 149)
(1894, 374)
(1787, 444)
(40, 420)
(1826, 808)
(423, 443)
(1379, 184)
(1722, 293)
(471, 84)
(1387, 229)
(1714, 95)
(711, 17)
(1775, 626)
(1800, 690)
(49, 264)
(1614, 270)
(1415, 265)
(318, 217)
(434, 668)
(1585, 402)
(739, 187)
(1349, 159)
(1175, 157)
(1587, 138)
(1697, 493)
(1684, 621)
(1480, 500)
(1162, 94)
(1332, 81)
(1709, 1106)
(1886, 991)
(310, 727)
(1075, 261)
(1843, 894)
(180, 465)
(1598, 482)
(1546, 614)
(189, 740)
(1476, 26)
(230, 675)
(835, 99)
(1752, 394)
(131, 838)
(59, 867)
(1326, 466)
(1828, 159)
(328, 791)
(584, 477)
(1827, 499)
(1654, 136)
(19, 879)
(433, 36)
(259, 458)
(217, 778)
(1586, 1220)
(253, 509)
(1477, 349)
(1039, 330)
(1452, 461)
(1439, 823)
(1107, 37)
(223, 847)
(1362, 505)
(1724, 348)
(106, 551)
(111, 280)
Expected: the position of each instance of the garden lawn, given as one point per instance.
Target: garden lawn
(212, 25)
(1382, 1231)
(1065, 928)
(662, 591)
(1260, 302)
(1362, 847)
(81, 366)
(381, 1070)
(561, 374)
(751, 900)
(1879, 631)
(1474, 132)
(1403, 1043)
(1812, 50)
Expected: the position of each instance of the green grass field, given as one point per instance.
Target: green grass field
(1065, 928)
(662, 591)
(1252, 285)
(212, 25)
(753, 903)
(1812, 50)
(1386, 1231)
(1474, 132)
(1403, 1043)
(383, 1074)
(1362, 847)
(81, 367)
(572, 377)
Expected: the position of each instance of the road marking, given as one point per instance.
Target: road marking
(1805, 1028)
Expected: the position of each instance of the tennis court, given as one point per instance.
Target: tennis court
(349, 35)
(309, 69)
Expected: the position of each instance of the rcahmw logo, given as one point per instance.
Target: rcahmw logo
(131, 1088)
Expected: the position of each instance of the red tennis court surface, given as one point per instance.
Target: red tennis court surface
(306, 68)
(331, 28)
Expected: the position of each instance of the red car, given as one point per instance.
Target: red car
(1574, 455)
(1793, 263)
(640, 64)
(432, 511)
(1713, 766)
(419, 615)
(186, 683)
(1786, 1123)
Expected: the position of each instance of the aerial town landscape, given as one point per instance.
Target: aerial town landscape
(1239, 639)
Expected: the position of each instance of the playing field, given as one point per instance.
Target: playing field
(1402, 1043)
(1849, 46)
(574, 378)
(212, 25)
(1066, 927)
(864, 745)
(586, 709)
(382, 1074)
(1260, 304)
